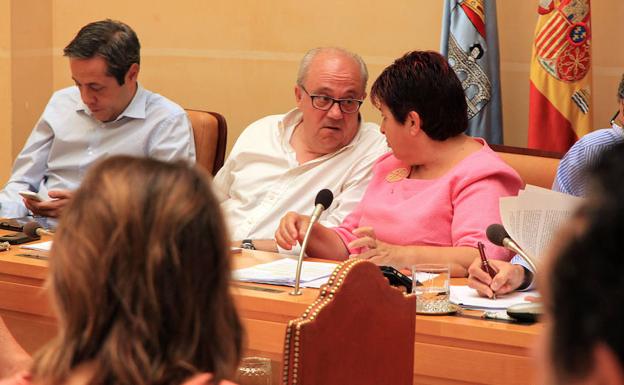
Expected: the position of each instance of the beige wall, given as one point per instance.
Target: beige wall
(6, 154)
(31, 65)
(239, 57)
(25, 72)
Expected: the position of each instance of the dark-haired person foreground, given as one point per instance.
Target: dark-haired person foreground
(583, 287)
(431, 199)
(139, 279)
(106, 113)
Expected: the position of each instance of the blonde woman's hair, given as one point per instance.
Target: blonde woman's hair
(139, 274)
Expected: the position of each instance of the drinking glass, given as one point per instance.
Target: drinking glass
(254, 371)
(431, 286)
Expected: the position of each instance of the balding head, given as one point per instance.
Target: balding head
(331, 52)
(334, 76)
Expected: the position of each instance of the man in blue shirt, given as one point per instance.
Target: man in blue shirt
(106, 113)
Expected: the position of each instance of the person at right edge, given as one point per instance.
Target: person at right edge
(571, 179)
(583, 288)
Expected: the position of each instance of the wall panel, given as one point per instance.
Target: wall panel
(239, 57)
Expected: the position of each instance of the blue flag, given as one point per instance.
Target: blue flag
(470, 42)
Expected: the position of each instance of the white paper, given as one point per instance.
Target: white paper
(469, 298)
(41, 246)
(282, 272)
(533, 218)
(314, 284)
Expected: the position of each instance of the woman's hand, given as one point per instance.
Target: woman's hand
(507, 279)
(374, 250)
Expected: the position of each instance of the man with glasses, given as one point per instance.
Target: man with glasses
(280, 162)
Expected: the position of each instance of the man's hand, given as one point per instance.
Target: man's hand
(53, 207)
(507, 279)
(291, 230)
(374, 250)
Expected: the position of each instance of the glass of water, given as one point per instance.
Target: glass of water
(431, 286)
(254, 371)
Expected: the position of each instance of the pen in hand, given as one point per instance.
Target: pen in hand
(484, 263)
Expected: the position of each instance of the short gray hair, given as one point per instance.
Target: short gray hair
(304, 66)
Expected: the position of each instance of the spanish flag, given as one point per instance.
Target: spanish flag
(560, 90)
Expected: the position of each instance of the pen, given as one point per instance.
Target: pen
(484, 262)
(36, 256)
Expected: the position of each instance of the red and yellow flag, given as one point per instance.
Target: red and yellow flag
(560, 97)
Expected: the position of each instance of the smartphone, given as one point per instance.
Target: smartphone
(31, 195)
(17, 224)
(16, 238)
(11, 224)
(396, 278)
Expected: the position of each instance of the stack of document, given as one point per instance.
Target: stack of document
(283, 271)
(533, 217)
(469, 298)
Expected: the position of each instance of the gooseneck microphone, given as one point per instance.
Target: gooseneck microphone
(497, 234)
(35, 230)
(323, 200)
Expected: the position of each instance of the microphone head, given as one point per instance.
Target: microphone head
(496, 233)
(325, 198)
(30, 229)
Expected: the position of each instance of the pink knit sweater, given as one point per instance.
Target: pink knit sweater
(453, 210)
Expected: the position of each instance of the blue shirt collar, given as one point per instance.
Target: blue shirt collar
(135, 110)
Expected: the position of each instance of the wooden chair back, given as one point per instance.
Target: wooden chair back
(360, 330)
(210, 134)
(535, 167)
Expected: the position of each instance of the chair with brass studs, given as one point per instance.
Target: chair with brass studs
(360, 330)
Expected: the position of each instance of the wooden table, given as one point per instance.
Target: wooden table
(24, 304)
(448, 349)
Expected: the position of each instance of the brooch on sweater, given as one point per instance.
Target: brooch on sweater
(397, 174)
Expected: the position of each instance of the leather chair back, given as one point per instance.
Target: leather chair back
(535, 167)
(210, 134)
(360, 330)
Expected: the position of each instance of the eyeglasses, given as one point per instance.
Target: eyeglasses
(325, 103)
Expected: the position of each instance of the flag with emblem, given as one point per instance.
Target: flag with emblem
(560, 89)
(470, 42)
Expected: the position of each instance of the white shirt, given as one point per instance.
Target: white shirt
(67, 140)
(261, 180)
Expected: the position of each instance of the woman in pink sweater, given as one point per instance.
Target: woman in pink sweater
(433, 196)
